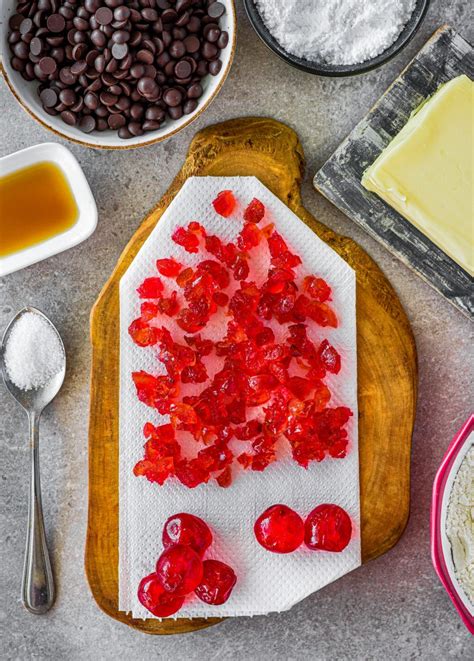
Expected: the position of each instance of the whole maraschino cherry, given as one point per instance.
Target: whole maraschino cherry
(218, 580)
(179, 569)
(187, 530)
(156, 599)
(328, 528)
(279, 529)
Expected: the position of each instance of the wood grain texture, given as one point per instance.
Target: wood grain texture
(445, 56)
(387, 370)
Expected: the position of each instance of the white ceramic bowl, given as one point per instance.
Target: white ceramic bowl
(26, 95)
(87, 217)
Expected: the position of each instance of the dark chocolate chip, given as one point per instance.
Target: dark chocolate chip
(223, 40)
(172, 97)
(215, 67)
(36, 46)
(189, 106)
(150, 125)
(194, 91)
(55, 23)
(87, 124)
(215, 9)
(49, 98)
(104, 16)
(122, 13)
(69, 117)
(67, 97)
(182, 69)
(47, 65)
(119, 51)
(26, 26)
(145, 56)
(124, 133)
(116, 121)
(192, 44)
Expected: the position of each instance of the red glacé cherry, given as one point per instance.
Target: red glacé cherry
(217, 582)
(328, 528)
(179, 569)
(154, 597)
(187, 530)
(279, 529)
(224, 203)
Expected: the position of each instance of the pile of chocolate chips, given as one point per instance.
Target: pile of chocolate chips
(124, 65)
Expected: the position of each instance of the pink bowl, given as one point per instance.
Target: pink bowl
(440, 545)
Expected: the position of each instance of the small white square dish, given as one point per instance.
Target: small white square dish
(86, 222)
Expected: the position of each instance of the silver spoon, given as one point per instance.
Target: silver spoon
(38, 591)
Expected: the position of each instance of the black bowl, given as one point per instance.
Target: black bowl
(322, 69)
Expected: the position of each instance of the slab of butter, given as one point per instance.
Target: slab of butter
(426, 172)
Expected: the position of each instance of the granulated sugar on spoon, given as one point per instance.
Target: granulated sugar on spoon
(33, 364)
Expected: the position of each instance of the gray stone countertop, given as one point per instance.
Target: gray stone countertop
(393, 607)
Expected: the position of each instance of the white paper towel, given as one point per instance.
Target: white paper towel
(266, 581)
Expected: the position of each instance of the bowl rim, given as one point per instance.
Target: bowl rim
(337, 71)
(456, 451)
(126, 146)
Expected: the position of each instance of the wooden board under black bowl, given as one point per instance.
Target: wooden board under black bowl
(445, 56)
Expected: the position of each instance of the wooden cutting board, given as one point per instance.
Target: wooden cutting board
(387, 370)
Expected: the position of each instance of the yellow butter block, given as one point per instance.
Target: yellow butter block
(426, 172)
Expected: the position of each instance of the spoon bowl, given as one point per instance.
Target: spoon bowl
(35, 399)
(38, 590)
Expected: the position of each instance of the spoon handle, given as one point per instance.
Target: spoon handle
(38, 585)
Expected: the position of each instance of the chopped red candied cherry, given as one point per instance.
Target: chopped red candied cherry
(203, 347)
(179, 569)
(190, 322)
(279, 529)
(241, 269)
(300, 387)
(254, 212)
(150, 288)
(249, 430)
(328, 528)
(317, 288)
(196, 228)
(249, 237)
(182, 413)
(168, 267)
(153, 390)
(276, 244)
(217, 583)
(187, 530)
(196, 373)
(286, 260)
(256, 369)
(143, 334)
(185, 238)
(220, 298)
(329, 357)
(219, 273)
(224, 479)
(169, 306)
(148, 310)
(224, 204)
(191, 473)
(153, 596)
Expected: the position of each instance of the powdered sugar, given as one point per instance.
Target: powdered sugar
(33, 353)
(335, 31)
(460, 524)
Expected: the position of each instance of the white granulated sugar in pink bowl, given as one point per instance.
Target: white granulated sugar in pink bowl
(33, 352)
(338, 32)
